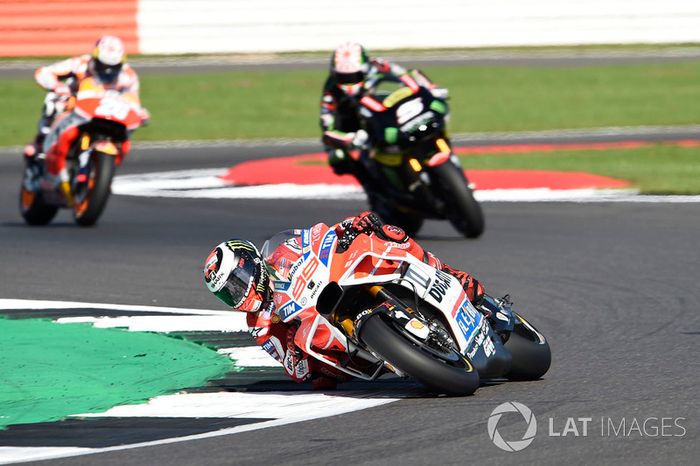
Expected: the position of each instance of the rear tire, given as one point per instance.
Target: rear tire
(530, 350)
(33, 208)
(463, 211)
(90, 206)
(425, 367)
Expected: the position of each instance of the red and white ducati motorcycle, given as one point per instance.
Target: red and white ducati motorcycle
(367, 307)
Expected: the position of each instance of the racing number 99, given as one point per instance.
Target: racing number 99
(303, 278)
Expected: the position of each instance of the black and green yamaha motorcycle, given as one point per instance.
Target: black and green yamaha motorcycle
(411, 170)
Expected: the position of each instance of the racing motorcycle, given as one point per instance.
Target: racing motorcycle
(107, 118)
(412, 170)
(367, 307)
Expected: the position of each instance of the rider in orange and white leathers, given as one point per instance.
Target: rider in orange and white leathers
(239, 275)
(58, 127)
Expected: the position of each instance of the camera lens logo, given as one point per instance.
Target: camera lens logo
(514, 445)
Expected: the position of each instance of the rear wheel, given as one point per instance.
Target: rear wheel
(91, 195)
(443, 372)
(33, 208)
(530, 350)
(463, 211)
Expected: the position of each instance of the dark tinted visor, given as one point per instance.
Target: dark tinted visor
(107, 73)
(350, 78)
(238, 284)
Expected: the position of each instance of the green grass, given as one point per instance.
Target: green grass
(284, 104)
(658, 169)
(259, 104)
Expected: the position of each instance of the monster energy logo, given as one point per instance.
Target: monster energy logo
(233, 245)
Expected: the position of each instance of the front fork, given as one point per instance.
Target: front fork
(422, 169)
(405, 317)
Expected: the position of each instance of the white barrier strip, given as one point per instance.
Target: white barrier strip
(244, 26)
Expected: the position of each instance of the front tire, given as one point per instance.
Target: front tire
(90, 203)
(408, 221)
(453, 378)
(530, 350)
(463, 211)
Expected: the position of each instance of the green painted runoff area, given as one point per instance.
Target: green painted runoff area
(49, 371)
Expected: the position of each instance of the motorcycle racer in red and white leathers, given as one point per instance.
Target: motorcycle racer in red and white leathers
(240, 276)
(58, 128)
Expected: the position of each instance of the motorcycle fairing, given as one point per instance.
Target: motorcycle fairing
(371, 261)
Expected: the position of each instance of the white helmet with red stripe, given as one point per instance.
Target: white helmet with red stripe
(349, 67)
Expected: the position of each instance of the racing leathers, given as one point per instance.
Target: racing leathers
(278, 338)
(58, 126)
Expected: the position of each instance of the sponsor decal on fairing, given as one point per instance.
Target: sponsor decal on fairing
(468, 320)
(306, 243)
(288, 311)
(324, 253)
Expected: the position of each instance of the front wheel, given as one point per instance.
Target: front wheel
(452, 374)
(410, 222)
(463, 211)
(91, 194)
(530, 350)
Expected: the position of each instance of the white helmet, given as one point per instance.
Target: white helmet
(234, 271)
(108, 57)
(349, 66)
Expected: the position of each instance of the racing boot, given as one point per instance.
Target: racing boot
(471, 285)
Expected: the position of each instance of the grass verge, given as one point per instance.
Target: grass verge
(263, 104)
(657, 169)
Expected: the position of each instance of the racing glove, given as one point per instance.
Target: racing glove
(347, 141)
(360, 139)
(368, 223)
(62, 90)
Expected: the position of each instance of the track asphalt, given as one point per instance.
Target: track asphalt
(613, 286)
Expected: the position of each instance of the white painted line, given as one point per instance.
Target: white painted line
(297, 411)
(192, 185)
(204, 184)
(578, 196)
(47, 304)
(232, 322)
(270, 405)
(323, 407)
(250, 356)
(21, 454)
(281, 408)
